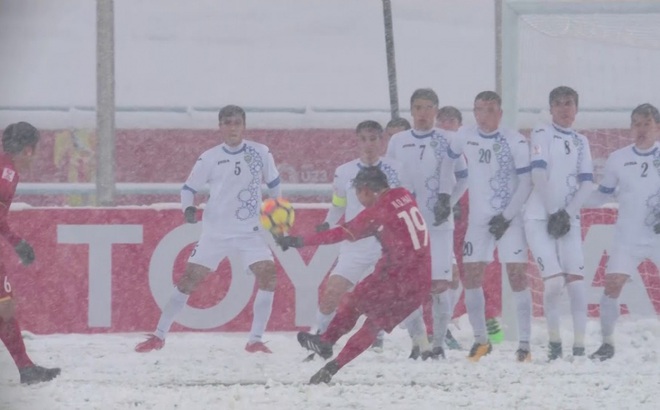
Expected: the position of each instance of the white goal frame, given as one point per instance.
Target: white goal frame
(512, 10)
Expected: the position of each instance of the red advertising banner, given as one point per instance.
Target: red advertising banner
(112, 270)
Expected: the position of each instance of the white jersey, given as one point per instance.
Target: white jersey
(494, 162)
(234, 177)
(344, 194)
(566, 157)
(422, 156)
(636, 175)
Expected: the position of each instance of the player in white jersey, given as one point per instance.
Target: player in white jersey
(357, 258)
(499, 183)
(562, 175)
(633, 174)
(422, 151)
(234, 171)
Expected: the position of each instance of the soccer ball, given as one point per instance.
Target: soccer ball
(277, 215)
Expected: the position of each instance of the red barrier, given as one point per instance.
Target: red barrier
(109, 270)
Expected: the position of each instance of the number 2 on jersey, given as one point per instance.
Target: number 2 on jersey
(415, 224)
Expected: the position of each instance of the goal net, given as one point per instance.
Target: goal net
(609, 52)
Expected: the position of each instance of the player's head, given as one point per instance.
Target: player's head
(488, 111)
(396, 125)
(20, 141)
(563, 106)
(449, 118)
(369, 183)
(645, 125)
(423, 108)
(231, 121)
(370, 140)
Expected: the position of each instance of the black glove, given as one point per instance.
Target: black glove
(656, 228)
(498, 225)
(442, 209)
(286, 242)
(25, 252)
(190, 215)
(458, 211)
(322, 227)
(559, 224)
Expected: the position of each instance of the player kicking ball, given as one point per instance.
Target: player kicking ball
(397, 286)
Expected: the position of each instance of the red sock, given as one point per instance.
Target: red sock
(10, 334)
(343, 322)
(358, 343)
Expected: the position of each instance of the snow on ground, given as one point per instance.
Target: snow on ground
(212, 371)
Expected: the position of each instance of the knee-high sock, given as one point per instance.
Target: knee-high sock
(476, 307)
(417, 329)
(578, 296)
(609, 313)
(344, 321)
(551, 294)
(524, 313)
(358, 343)
(323, 320)
(261, 309)
(174, 307)
(441, 316)
(454, 296)
(10, 334)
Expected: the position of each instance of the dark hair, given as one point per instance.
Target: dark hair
(18, 136)
(424, 94)
(563, 91)
(231, 111)
(399, 123)
(369, 125)
(449, 112)
(489, 96)
(371, 178)
(647, 110)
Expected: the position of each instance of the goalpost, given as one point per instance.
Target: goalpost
(608, 50)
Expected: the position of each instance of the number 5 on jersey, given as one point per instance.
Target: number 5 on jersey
(415, 224)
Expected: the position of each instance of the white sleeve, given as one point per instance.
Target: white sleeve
(272, 176)
(539, 162)
(461, 174)
(198, 177)
(522, 164)
(391, 148)
(607, 186)
(339, 200)
(334, 215)
(585, 177)
(187, 197)
(448, 180)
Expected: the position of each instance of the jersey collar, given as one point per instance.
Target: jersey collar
(231, 151)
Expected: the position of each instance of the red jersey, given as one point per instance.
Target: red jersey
(8, 182)
(396, 222)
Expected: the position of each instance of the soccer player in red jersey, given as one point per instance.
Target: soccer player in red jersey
(399, 283)
(19, 142)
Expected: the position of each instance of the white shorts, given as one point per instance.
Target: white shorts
(554, 256)
(626, 258)
(212, 249)
(479, 245)
(442, 254)
(356, 264)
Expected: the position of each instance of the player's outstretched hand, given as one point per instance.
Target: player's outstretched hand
(656, 228)
(286, 242)
(498, 225)
(25, 252)
(442, 209)
(190, 215)
(322, 227)
(559, 224)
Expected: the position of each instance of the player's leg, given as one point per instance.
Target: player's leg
(512, 249)
(571, 259)
(10, 334)
(258, 259)
(442, 251)
(454, 293)
(622, 261)
(417, 330)
(477, 253)
(205, 257)
(544, 252)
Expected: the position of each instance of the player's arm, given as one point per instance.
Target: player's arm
(391, 148)
(585, 178)
(539, 165)
(607, 187)
(22, 248)
(272, 177)
(461, 175)
(338, 205)
(521, 161)
(198, 176)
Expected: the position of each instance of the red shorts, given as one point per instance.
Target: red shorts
(389, 299)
